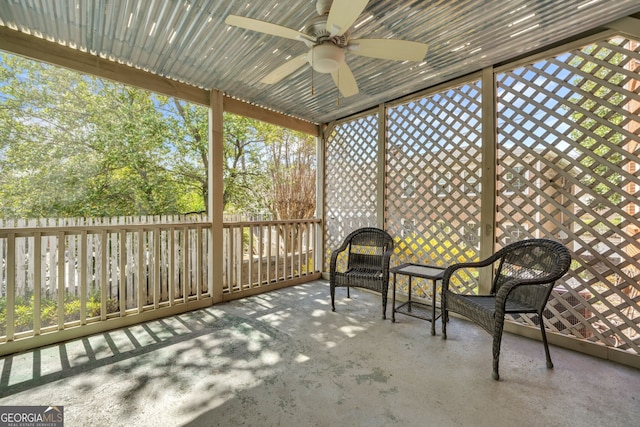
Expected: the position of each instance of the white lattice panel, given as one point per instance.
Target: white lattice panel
(433, 178)
(568, 137)
(351, 173)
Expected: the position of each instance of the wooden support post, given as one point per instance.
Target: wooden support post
(215, 202)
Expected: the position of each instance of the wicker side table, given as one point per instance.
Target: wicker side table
(420, 310)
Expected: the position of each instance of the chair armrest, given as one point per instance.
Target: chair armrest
(334, 257)
(448, 272)
(508, 287)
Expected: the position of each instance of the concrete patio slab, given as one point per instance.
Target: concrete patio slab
(284, 359)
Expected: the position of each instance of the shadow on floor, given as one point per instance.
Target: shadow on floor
(284, 358)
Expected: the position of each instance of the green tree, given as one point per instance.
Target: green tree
(269, 169)
(75, 145)
(292, 172)
(187, 162)
(245, 141)
(597, 118)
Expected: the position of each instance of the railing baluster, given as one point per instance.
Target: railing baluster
(82, 267)
(286, 258)
(60, 259)
(142, 298)
(37, 283)
(184, 249)
(278, 240)
(260, 253)
(300, 234)
(198, 263)
(269, 243)
(123, 273)
(104, 283)
(156, 268)
(238, 257)
(250, 280)
(172, 266)
(11, 286)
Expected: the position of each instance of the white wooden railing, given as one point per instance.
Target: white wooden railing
(263, 255)
(65, 278)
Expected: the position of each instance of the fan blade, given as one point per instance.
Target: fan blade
(284, 70)
(343, 14)
(346, 82)
(398, 50)
(265, 27)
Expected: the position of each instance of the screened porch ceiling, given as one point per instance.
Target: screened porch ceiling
(188, 41)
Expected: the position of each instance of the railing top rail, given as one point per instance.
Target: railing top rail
(278, 222)
(97, 228)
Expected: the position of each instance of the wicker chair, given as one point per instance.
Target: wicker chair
(524, 276)
(367, 251)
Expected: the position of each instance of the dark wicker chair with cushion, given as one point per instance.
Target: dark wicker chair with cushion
(525, 273)
(367, 252)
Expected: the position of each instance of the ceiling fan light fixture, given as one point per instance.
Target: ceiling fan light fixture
(326, 58)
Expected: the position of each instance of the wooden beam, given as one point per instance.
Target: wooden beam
(33, 47)
(84, 62)
(245, 109)
(628, 25)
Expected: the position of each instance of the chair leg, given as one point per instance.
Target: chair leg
(348, 296)
(497, 341)
(546, 345)
(444, 319)
(333, 297)
(384, 306)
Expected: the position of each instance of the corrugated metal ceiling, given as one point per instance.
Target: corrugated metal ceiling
(187, 40)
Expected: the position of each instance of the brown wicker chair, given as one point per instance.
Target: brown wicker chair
(368, 251)
(524, 276)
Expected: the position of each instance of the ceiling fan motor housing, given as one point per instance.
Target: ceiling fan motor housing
(317, 28)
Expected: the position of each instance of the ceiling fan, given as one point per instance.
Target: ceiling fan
(328, 38)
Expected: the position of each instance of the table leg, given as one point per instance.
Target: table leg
(433, 307)
(409, 299)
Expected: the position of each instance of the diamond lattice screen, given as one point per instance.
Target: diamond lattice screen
(351, 176)
(568, 153)
(433, 179)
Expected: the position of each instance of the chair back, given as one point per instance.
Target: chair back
(539, 261)
(368, 248)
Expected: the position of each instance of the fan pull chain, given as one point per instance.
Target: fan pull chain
(338, 90)
(312, 74)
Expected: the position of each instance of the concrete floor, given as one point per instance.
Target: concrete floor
(284, 359)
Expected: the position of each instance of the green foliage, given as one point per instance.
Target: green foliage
(80, 146)
(597, 120)
(74, 145)
(268, 169)
(24, 310)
